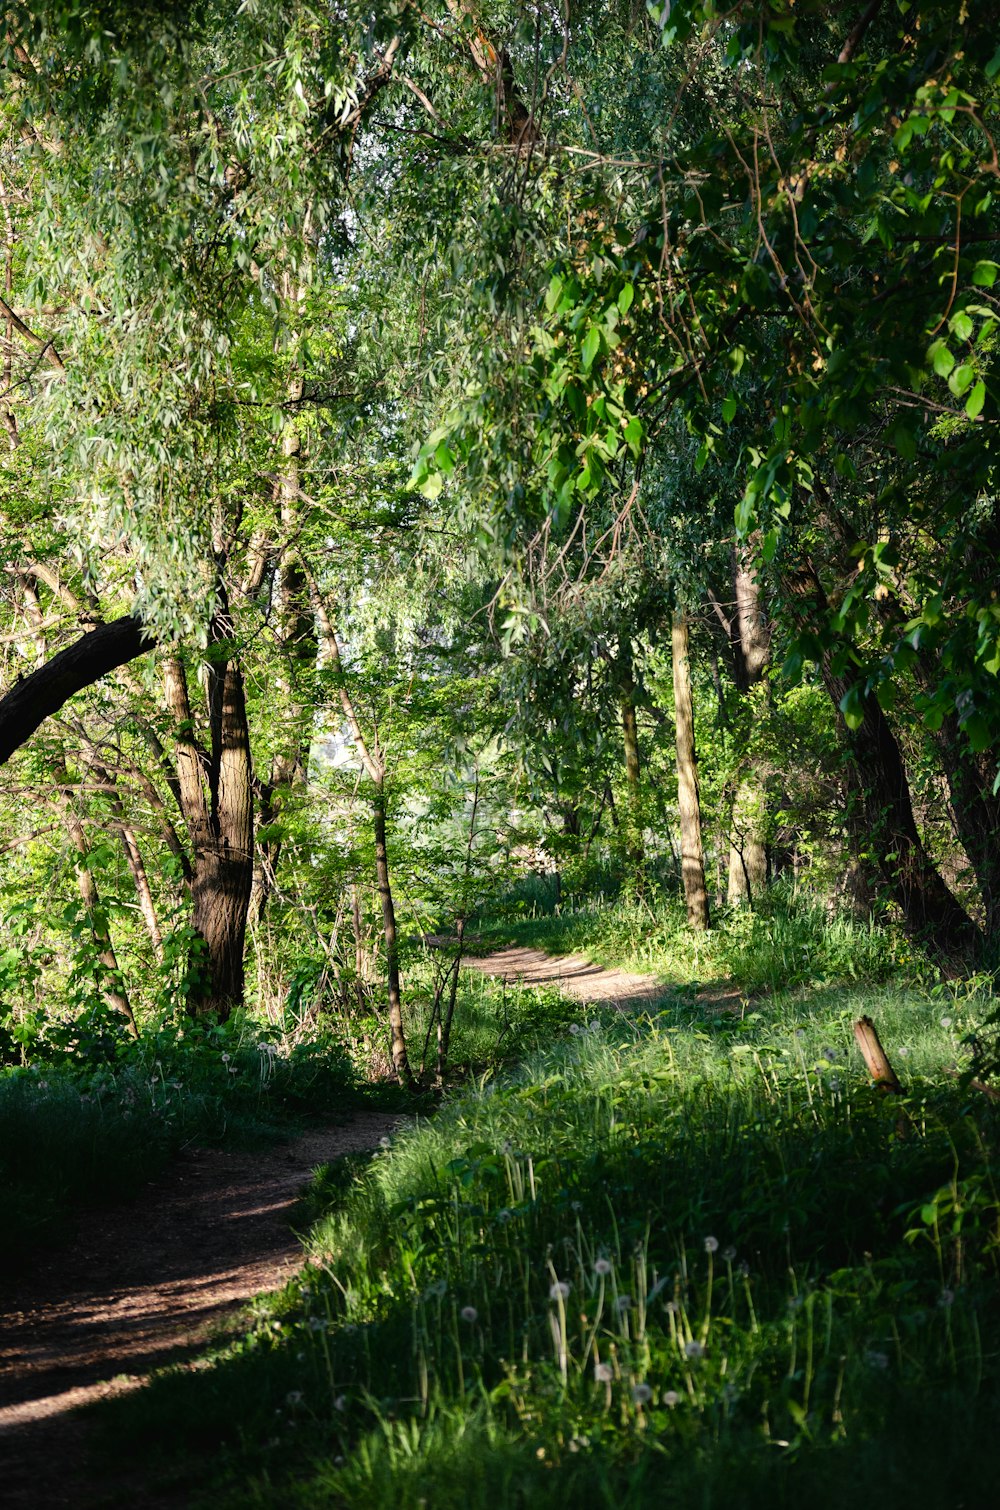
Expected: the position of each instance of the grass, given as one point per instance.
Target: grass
(75, 1132)
(792, 940)
(690, 1260)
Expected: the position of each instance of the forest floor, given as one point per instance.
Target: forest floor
(574, 975)
(142, 1284)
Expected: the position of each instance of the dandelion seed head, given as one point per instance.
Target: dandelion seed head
(503, 1215)
(340, 1403)
(671, 1398)
(641, 1394)
(946, 1022)
(595, 1026)
(294, 1397)
(693, 1350)
(602, 1373)
(711, 1245)
(602, 1266)
(729, 1254)
(559, 1290)
(623, 1303)
(946, 1299)
(469, 1313)
(385, 1142)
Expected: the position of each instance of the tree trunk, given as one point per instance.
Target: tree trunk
(748, 866)
(630, 733)
(112, 984)
(399, 1056)
(220, 827)
(929, 909)
(688, 800)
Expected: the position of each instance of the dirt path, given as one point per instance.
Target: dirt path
(141, 1283)
(572, 973)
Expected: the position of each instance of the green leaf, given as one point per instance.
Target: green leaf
(993, 66)
(984, 274)
(633, 432)
(940, 358)
(625, 298)
(960, 379)
(432, 487)
(961, 326)
(591, 346)
(977, 398)
(729, 408)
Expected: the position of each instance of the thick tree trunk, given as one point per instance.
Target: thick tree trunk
(929, 909)
(35, 698)
(688, 799)
(400, 1060)
(220, 828)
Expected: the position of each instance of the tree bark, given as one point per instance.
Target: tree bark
(748, 863)
(400, 1061)
(688, 799)
(220, 827)
(633, 772)
(112, 984)
(36, 697)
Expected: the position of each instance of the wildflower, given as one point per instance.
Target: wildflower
(602, 1267)
(623, 1303)
(729, 1254)
(946, 1022)
(672, 1308)
(946, 1299)
(903, 1050)
(671, 1398)
(602, 1373)
(469, 1314)
(711, 1245)
(830, 1055)
(385, 1142)
(595, 1026)
(559, 1290)
(225, 1058)
(575, 1029)
(340, 1403)
(641, 1394)
(693, 1350)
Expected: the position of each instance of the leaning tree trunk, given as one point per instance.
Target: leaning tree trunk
(929, 909)
(930, 912)
(688, 799)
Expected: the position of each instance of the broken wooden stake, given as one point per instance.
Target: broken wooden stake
(876, 1058)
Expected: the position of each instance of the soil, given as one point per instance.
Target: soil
(575, 976)
(141, 1285)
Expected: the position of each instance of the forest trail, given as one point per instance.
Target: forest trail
(140, 1283)
(574, 974)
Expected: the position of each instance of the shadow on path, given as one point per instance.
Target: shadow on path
(141, 1285)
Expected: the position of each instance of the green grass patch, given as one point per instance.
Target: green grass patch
(692, 1261)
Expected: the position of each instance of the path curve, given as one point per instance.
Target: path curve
(574, 974)
(141, 1282)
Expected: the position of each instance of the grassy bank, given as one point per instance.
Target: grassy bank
(688, 1260)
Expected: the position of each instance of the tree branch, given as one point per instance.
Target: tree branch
(35, 698)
